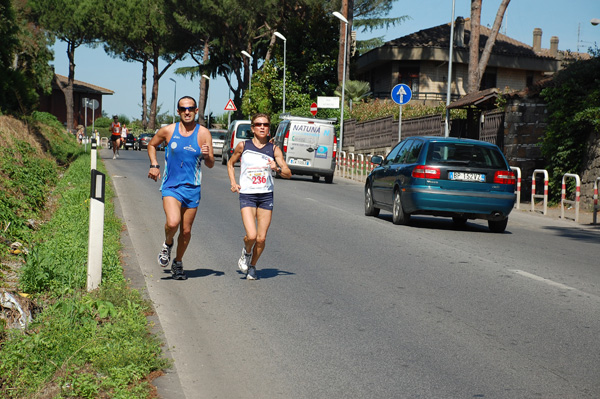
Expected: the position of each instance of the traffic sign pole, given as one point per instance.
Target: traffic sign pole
(401, 94)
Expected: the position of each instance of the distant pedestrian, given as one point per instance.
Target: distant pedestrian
(115, 136)
(124, 132)
(259, 158)
(187, 144)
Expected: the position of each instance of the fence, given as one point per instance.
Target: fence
(383, 132)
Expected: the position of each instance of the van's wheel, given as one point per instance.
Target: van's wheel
(497, 226)
(370, 209)
(398, 214)
(316, 178)
(329, 179)
(223, 159)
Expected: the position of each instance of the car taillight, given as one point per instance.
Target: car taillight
(334, 146)
(231, 144)
(285, 141)
(504, 177)
(426, 172)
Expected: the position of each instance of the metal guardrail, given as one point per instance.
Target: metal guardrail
(534, 195)
(518, 187)
(596, 206)
(563, 195)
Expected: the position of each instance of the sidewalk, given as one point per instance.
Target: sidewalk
(585, 217)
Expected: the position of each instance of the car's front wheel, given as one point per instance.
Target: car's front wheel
(223, 159)
(497, 226)
(398, 214)
(370, 209)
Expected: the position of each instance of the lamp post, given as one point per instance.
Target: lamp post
(447, 121)
(245, 54)
(174, 97)
(345, 21)
(595, 21)
(279, 35)
(207, 102)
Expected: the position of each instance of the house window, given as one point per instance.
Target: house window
(488, 80)
(529, 79)
(409, 77)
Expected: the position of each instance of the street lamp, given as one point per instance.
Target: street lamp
(279, 35)
(447, 121)
(345, 21)
(174, 97)
(245, 53)
(595, 21)
(207, 103)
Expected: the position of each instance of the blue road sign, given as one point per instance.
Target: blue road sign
(401, 94)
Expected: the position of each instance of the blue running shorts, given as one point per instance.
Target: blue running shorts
(262, 200)
(188, 195)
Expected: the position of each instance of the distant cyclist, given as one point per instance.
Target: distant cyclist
(258, 158)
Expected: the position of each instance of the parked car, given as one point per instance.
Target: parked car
(309, 146)
(218, 138)
(143, 141)
(239, 130)
(458, 178)
(130, 141)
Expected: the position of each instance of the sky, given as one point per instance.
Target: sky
(568, 20)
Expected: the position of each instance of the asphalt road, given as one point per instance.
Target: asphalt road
(352, 306)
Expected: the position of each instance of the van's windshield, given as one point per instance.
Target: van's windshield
(244, 132)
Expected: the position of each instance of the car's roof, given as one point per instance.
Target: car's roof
(450, 140)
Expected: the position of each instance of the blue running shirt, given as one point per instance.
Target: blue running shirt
(183, 159)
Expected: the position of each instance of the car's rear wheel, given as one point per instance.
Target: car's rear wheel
(398, 214)
(370, 209)
(459, 220)
(316, 178)
(497, 226)
(329, 179)
(223, 159)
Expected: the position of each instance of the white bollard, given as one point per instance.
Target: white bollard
(93, 154)
(96, 231)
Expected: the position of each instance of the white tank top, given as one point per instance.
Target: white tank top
(255, 169)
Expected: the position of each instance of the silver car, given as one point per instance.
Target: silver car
(218, 138)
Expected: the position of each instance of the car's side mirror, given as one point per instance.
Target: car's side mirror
(377, 159)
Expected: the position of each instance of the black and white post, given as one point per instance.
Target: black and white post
(96, 230)
(93, 153)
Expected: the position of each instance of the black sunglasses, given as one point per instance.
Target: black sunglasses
(267, 124)
(183, 109)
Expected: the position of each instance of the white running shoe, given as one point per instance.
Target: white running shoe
(164, 256)
(114, 157)
(251, 273)
(244, 261)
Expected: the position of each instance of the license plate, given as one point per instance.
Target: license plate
(466, 176)
(302, 162)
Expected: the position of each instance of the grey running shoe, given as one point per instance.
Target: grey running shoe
(251, 273)
(244, 261)
(177, 271)
(164, 256)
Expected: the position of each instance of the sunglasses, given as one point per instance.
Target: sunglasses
(183, 109)
(266, 124)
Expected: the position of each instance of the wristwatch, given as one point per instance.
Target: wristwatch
(154, 166)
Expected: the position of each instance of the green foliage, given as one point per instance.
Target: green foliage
(573, 115)
(61, 145)
(55, 262)
(377, 108)
(84, 345)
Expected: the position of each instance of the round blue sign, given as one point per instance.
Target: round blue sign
(401, 94)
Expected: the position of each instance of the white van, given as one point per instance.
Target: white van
(309, 146)
(239, 130)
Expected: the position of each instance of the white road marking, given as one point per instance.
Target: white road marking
(543, 280)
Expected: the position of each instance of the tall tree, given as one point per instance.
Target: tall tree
(75, 22)
(149, 36)
(366, 15)
(478, 64)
